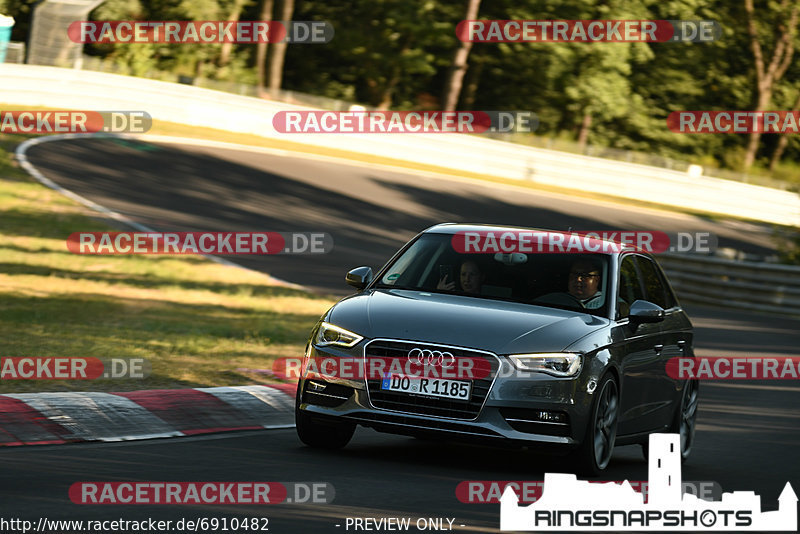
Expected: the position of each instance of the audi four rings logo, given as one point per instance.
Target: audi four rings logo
(431, 357)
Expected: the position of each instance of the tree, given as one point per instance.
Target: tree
(777, 154)
(277, 52)
(262, 48)
(769, 72)
(385, 53)
(236, 12)
(601, 87)
(596, 77)
(459, 67)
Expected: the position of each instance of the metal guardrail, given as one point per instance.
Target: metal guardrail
(96, 63)
(743, 285)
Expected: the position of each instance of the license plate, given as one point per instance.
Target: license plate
(434, 387)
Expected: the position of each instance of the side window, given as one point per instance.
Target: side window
(672, 300)
(629, 288)
(654, 288)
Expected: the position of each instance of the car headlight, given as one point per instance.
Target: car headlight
(552, 363)
(330, 334)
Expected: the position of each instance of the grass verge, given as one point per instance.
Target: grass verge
(197, 322)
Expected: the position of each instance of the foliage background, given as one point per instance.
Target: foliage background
(397, 54)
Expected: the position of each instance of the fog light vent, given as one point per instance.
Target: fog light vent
(551, 417)
(316, 386)
(545, 422)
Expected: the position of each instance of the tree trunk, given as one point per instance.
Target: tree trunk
(782, 142)
(768, 74)
(227, 47)
(278, 52)
(764, 97)
(261, 48)
(473, 82)
(583, 134)
(778, 153)
(388, 89)
(459, 67)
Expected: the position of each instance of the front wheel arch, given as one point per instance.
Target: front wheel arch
(597, 447)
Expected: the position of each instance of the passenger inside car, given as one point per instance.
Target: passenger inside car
(471, 278)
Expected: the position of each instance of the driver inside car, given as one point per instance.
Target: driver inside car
(583, 286)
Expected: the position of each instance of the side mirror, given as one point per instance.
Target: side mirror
(359, 277)
(643, 311)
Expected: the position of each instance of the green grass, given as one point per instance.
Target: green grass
(197, 322)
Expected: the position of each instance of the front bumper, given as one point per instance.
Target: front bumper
(520, 408)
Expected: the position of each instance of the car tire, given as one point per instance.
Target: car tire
(321, 435)
(684, 421)
(595, 452)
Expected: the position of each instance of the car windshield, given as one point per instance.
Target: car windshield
(559, 280)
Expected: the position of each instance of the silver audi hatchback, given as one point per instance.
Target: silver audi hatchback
(543, 339)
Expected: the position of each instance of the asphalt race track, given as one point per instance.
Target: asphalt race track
(370, 213)
(748, 432)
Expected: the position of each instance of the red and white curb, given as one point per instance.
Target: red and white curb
(51, 418)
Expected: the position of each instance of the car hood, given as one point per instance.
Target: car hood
(497, 326)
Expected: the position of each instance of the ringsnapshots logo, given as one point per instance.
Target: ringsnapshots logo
(588, 31)
(46, 122)
(197, 32)
(569, 504)
(404, 122)
(115, 243)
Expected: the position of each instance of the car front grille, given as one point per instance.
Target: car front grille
(422, 405)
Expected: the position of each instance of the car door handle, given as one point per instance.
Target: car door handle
(658, 348)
